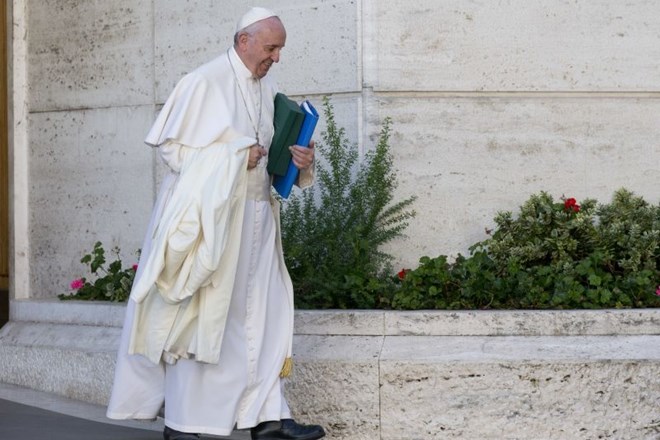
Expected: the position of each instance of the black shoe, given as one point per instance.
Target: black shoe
(171, 434)
(286, 429)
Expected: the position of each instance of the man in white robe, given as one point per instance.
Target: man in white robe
(209, 323)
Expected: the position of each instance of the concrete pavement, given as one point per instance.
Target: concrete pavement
(33, 415)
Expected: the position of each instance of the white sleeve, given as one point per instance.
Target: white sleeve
(306, 176)
(172, 154)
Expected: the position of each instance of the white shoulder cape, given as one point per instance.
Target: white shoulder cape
(196, 239)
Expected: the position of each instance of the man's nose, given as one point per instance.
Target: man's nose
(276, 56)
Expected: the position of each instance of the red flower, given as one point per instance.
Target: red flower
(402, 273)
(571, 205)
(135, 266)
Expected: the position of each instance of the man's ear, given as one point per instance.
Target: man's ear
(242, 40)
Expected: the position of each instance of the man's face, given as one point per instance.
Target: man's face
(261, 49)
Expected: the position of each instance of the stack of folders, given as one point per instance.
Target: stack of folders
(294, 125)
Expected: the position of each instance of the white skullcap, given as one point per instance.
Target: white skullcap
(252, 16)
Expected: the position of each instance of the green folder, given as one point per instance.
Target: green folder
(287, 121)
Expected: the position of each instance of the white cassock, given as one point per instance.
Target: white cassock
(210, 319)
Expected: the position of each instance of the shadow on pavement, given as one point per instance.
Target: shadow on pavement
(24, 422)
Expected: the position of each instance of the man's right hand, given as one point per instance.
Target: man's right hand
(256, 153)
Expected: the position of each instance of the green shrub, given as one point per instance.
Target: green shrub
(552, 255)
(333, 233)
(111, 284)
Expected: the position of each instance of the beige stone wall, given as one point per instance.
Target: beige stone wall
(390, 375)
(494, 101)
(490, 101)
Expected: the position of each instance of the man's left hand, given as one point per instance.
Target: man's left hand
(303, 157)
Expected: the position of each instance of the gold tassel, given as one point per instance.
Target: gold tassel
(287, 368)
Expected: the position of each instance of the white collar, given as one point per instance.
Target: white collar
(241, 69)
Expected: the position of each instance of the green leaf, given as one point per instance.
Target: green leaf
(594, 280)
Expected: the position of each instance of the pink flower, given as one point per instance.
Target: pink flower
(77, 284)
(135, 267)
(657, 291)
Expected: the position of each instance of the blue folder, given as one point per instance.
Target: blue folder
(283, 184)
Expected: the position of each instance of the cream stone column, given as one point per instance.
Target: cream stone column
(19, 279)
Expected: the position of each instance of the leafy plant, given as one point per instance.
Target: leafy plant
(552, 255)
(333, 233)
(111, 284)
